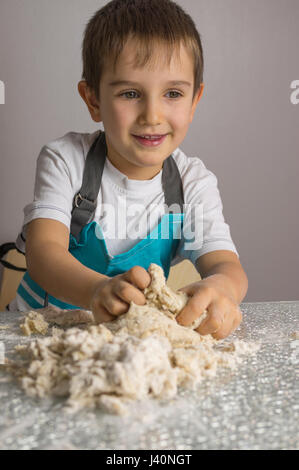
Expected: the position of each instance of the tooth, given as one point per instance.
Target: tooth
(154, 137)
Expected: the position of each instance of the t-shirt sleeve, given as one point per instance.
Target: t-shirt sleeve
(53, 191)
(205, 229)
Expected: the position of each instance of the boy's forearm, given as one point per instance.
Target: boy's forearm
(231, 277)
(62, 275)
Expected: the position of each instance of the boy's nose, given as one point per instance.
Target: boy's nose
(151, 113)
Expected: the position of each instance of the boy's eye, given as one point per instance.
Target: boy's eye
(178, 94)
(128, 94)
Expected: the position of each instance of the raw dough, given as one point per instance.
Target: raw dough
(66, 317)
(162, 297)
(143, 321)
(34, 323)
(143, 353)
(92, 367)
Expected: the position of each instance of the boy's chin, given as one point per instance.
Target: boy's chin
(150, 158)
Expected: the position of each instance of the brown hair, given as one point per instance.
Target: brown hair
(149, 22)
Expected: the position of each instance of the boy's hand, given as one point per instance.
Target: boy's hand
(113, 295)
(224, 314)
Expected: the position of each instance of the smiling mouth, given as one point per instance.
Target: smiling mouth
(150, 136)
(153, 140)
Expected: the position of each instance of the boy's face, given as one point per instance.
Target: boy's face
(149, 106)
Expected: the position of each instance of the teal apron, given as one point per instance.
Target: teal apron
(87, 243)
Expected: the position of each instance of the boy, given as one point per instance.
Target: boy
(142, 77)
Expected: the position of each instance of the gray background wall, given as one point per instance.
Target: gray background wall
(246, 129)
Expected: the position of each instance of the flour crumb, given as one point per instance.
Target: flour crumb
(295, 335)
(21, 348)
(34, 323)
(113, 404)
(56, 331)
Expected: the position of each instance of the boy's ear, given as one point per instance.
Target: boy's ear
(88, 96)
(196, 100)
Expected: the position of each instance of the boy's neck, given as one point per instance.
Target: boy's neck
(136, 173)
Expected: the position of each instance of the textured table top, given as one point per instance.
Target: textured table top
(254, 407)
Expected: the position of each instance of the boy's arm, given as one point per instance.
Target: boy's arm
(58, 272)
(52, 266)
(223, 266)
(223, 286)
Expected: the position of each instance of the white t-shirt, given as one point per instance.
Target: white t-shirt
(59, 173)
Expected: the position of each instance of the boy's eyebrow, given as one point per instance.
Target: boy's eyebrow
(126, 82)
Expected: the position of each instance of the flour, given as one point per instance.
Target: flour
(143, 353)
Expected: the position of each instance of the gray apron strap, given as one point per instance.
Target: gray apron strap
(172, 186)
(85, 201)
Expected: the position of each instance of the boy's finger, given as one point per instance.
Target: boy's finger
(102, 315)
(231, 321)
(194, 308)
(225, 329)
(237, 320)
(212, 323)
(138, 276)
(126, 292)
(114, 305)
